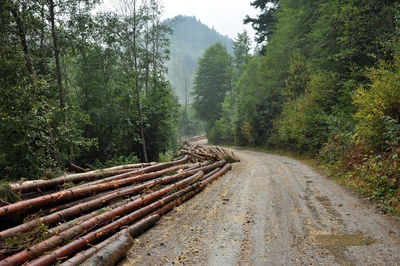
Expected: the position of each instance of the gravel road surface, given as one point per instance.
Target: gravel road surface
(271, 210)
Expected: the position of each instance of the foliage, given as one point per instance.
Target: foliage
(264, 24)
(378, 107)
(117, 160)
(6, 194)
(326, 84)
(68, 89)
(212, 82)
(189, 40)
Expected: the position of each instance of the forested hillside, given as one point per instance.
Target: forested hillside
(80, 86)
(189, 39)
(326, 84)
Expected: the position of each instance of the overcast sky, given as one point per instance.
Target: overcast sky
(226, 16)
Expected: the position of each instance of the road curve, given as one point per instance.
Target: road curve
(271, 210)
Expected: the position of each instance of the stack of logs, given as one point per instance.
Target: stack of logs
(206, 153)
(93, 222)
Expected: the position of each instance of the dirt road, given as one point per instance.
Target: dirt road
(271, 210)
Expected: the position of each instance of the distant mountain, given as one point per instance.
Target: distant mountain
(188, 42)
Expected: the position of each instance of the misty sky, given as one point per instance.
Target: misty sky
(226, 16)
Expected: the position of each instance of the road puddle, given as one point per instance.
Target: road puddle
(337, 244)
(343, 241)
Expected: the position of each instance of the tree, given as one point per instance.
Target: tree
(264, 24)
(241, 55)
(212, 81)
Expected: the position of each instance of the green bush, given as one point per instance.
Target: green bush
(115, 161)
(378, 114)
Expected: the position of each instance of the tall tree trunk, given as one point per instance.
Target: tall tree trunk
(139, 106)
(22, 36)
(42, 63)
(56, 56)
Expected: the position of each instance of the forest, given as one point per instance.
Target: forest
(91, 87)
(324, 84)
(79, 85)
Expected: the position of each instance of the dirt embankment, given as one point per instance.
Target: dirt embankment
(271, 210)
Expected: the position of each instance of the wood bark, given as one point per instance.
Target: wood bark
(137, 87)
(133, 230)
(63, 237)
(93, 204)
(99, 216)
(22, 35)
(113, 252)
(116, 172)
(56, 50)
(143, 170)
(74, 193)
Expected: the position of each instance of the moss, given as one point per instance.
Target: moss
(25, 240)
(229, 159)
(6, 193)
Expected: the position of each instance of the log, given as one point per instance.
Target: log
(79, 201)
(73, 193)
(133, 230)
(110, 255)
(92, 204)
(63, 237)
(77, 169)
(46, 184)
(80, 219)
(197, 165)
(81, 242)
(149, 169)
(43, 185)
(113, 252)
(212, 177)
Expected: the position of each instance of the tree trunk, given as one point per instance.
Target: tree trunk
(56, 56)
(139, 106)
(22, 36)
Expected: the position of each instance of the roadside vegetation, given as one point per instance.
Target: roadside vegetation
(324, 82)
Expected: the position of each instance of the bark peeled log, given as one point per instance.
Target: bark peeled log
(70, 194)
(93, 204)
(113, 252)
(65, 236)
(116, 251)
(134, 230)
(83, 241)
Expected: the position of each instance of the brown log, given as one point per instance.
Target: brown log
(212, 177)
(77, 169)
(197, 165)
(81, 242)
(69, 224)
(93, 204)
(133, 230)
(70, 194)
(130, 166)
(194, 189)
(43, 185)
(63, 237)
(116, 172)
(149, 169)
(210, 173)
(113, 252)
(79, 201)
(101, 257)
